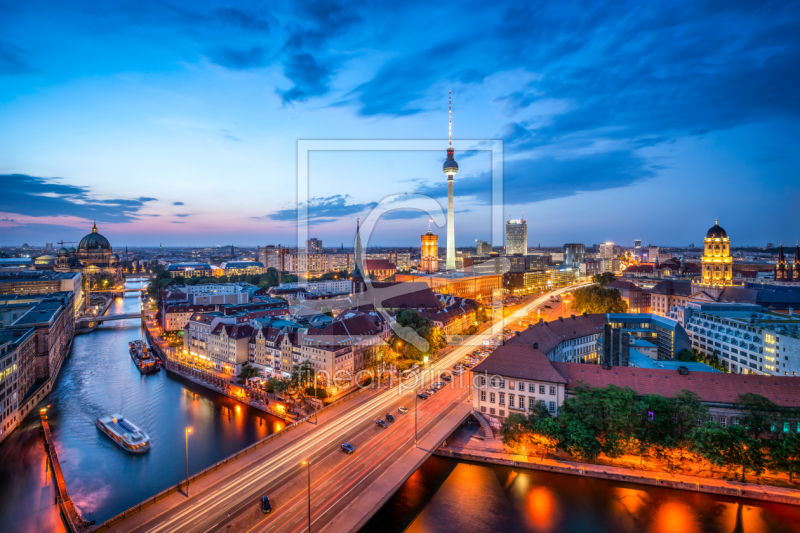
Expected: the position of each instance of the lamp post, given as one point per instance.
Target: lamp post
(188, 430)
(308, 469)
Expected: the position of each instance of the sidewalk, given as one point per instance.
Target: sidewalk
(492, 451)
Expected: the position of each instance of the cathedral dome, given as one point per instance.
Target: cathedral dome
(63, 251)
(94, 241)
(716, 232)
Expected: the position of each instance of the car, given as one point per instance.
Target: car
(457, 372)
(403, 410)
(422, 396)
(265, 505)
(447, 377)
(348, 448)
(381, 423)
(389, 417)
(431, 391)
(444, 375)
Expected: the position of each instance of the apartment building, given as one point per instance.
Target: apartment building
(573, 339)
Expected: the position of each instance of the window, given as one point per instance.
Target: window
(510, 400)
(552, 407)
(723, 421)
(502, 398)
(511, 385)
(483, 408)
(491, 399)
(786, 427)
(532, 404)
(483, 380)
(552, 391)
(483, 395)
(531, 387)
(541, 389)
(491, 410)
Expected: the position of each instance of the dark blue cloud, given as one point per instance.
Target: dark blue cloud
(528, 180)
(11, 60)
(239, 59)
(183, 215)
(323, 210)
(38, 197)
(177, 203)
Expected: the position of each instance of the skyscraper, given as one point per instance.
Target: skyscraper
(574, 254)
(516, 237)
(483, 248)
(450, 168)
(313, 246)
(429, 257)
(606, 250)
(637, 249)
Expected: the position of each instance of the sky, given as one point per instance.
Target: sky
(179, 122)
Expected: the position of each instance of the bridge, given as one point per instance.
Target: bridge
(345, 489)
(106, 318)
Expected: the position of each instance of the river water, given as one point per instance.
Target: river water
(450, 496)
(99, 378)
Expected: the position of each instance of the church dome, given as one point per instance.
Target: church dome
(63, 251)
(94, 241)
(716, 232)
(71, 250)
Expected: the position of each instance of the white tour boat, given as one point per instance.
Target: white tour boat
(125, 433)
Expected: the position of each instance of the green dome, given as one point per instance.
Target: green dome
(94, 241)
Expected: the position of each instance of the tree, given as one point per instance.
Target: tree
(785, 455)
(603, 279)
(759, 413)
(321, 394)
(424, 327)
(595, 299)
(248, 372)
(686, 356)
(303, 375)
(655, 432)
(580, 440)
(687, 409)
(729, 447)
(547, 433)
(515, 430)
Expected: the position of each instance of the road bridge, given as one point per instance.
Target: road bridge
(107, 318)
(345, 489)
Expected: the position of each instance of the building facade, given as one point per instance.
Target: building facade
(429, 253)
(717, 261)
(516, 237)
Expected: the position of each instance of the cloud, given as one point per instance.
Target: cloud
(183, 215)
(177, 203)
(177, 222)
(45, 197)
(232, 138)
(323, 210)
(239, 58)
(11, 61)
(532, 180)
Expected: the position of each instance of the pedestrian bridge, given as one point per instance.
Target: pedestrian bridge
(86, 319)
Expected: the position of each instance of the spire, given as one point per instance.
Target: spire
(357, 276)
(450, 119)
(429, 227)
(797, 255)
(94, 228)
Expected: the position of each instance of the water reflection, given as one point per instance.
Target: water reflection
(98, 379)
(445, 496)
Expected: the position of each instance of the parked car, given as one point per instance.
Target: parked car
(382, 424)
(403, 410)
(422, 396)
(265, 505)
(457, 372)
(347, 447)
(389, 417)
(445, 376)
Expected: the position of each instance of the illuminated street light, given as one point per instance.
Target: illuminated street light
(307, 464)
(188, 430)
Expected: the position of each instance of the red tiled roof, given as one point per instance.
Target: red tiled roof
(548, 335)
(710, 387)
(378, 264)
(521, 361)
(624, 285)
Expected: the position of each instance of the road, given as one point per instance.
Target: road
(337, 478)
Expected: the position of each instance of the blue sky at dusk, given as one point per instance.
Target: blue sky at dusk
(178, 122)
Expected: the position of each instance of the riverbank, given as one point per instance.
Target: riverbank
(465, 447)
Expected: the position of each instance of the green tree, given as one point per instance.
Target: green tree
(688, 409)
(547, 433)
(729, 447)
(785, 455)
(759, 414)
(321, 393)
(515, 430)
(303, 375)
(580, 441)
(603, 279)
(655, 432)
(596, 299)
(686, 356)
(425, 328)
(248, 372)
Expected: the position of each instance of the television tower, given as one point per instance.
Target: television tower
(450, 168)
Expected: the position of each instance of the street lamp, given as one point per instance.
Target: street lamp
(188, 430)
(415, 418)
(307, 464)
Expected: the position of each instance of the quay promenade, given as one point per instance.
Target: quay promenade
(72, 518)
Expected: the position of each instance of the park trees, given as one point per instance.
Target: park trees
(596, 299)
(731, 447)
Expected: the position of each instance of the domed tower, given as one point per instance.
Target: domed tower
(63, 259)
(429, 256)
(781, 272)
(450, 168)
(796, 263)
(717, 262)
(94, 250)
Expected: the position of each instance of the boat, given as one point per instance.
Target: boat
(125, 433)
(145, 362)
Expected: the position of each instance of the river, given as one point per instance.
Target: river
(99, 378)
(449, 496)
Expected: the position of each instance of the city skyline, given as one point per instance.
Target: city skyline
(182, 127)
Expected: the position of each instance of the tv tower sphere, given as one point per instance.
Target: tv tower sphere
(450, 167)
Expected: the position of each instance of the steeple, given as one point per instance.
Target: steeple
(781, 272)
(357, 276)
(94, 228)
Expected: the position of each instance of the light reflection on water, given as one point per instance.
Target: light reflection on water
(448, 496)
(98, 379)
